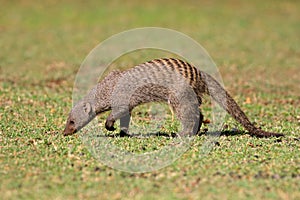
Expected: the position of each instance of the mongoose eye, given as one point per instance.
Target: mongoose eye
(72, 122)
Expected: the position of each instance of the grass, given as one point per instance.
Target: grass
(256, 47)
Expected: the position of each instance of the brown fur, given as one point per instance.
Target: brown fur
(100, 97)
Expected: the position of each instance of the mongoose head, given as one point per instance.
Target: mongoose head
(81, 114)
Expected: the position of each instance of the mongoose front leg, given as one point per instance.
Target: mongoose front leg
(109, 124)
(124, 124)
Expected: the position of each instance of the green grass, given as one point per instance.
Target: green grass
(255, 44)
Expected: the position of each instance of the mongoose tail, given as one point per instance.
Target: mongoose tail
(222, 97)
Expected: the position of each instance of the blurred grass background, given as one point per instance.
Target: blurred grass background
(255, 44)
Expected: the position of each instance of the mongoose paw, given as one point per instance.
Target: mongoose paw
(124, 134)
(109, 125)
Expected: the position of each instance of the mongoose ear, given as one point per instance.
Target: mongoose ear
(87, 108)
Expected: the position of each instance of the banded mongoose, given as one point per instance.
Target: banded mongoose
(99, 99)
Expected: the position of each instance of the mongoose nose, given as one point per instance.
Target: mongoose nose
(69, 131)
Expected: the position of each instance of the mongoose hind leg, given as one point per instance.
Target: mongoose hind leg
(200, 122)
(191, 127)
(189, 114)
